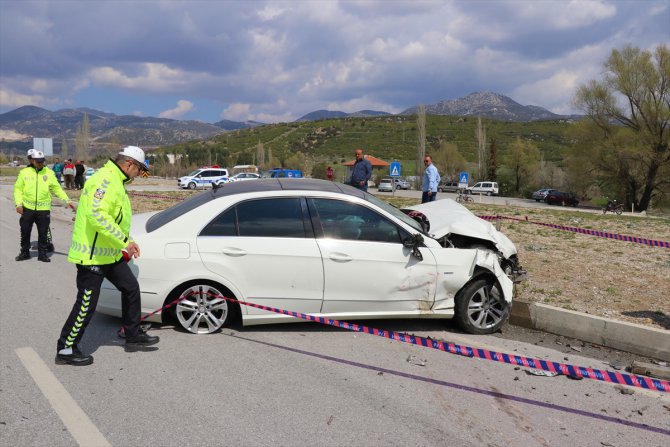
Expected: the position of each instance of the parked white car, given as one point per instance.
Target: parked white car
(317, 247)
(245, 176)
(488, 188)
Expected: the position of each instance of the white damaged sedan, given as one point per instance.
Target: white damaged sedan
(317, 247)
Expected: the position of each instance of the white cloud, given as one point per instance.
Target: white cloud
(183, 107)
(150, 76)
(237, 112)
(12, 99)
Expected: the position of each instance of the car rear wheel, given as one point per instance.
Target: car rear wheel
(203, 308)
(191, 185)
(481, 307)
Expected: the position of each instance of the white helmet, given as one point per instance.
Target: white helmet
(136, 154)
(30, 153)
(37, 155)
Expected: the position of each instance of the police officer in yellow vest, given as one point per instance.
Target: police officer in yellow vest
(32, 198)
(101, 234)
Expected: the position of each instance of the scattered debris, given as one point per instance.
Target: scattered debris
(649, 369)
(539, 372)
(624, 390)
(516, 378)
(617, 364)
(659, 363)
(573, 377)
(575, 348)
(607, 444)
(380, 373)
(414, 360)
(330, 420)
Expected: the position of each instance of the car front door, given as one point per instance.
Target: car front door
(366, 267)
(267, 249)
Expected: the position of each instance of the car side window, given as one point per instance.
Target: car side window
(280, 217)
(350, 221)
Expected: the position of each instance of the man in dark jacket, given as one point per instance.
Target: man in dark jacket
(361, 172)
(80, 170)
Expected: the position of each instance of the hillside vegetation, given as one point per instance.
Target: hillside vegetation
(390, 138)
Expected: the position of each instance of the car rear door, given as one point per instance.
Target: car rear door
(266, 248)
(366, 267)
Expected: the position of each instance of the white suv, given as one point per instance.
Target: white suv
(203, 177)
(488, 188)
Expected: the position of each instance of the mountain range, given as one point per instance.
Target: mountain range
(28, 121)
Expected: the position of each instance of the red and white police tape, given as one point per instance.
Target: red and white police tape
(605, 234)
(572, 371)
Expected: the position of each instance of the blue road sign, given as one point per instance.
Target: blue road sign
(394, 170)
(463, 179)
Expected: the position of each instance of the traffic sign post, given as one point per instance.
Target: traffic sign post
(394, 171)
(463, 180)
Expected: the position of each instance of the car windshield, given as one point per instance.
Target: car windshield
(193, 174)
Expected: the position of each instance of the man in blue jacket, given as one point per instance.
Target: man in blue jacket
(361, 172)
(431, 178)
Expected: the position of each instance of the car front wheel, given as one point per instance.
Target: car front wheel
(191, 185)
(203, 308)
(481, 307)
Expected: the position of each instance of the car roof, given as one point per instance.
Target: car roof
(285, 184)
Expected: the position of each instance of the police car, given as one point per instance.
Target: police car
(204, 177)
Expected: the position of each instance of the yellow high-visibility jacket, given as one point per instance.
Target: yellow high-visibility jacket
(102, 225)
(33, 189)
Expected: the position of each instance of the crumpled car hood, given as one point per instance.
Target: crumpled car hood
(448, 217)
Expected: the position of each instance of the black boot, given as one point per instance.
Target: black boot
(43, 257)
(50, 248)
(74, 359)
(141, 342)
(22, 256)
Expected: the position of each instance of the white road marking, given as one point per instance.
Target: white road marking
(78, 424)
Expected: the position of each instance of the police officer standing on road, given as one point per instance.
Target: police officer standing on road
(361, 171)
(101, 233)
(32, 198)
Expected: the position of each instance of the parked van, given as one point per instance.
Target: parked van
(488, 188)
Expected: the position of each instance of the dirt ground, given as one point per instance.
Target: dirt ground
(605, 277)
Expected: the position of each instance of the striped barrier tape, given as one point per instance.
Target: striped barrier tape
(565, 369)
(604, 234)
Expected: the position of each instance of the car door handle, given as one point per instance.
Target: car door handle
(340, 257)
(232, 251)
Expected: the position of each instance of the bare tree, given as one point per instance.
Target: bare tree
(64, 150)
(82, 138)
(421, 135)
(260, 154)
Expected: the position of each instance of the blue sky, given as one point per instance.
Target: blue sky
(274, 61)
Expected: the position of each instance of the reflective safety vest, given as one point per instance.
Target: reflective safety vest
(33, 189)
(102, 226)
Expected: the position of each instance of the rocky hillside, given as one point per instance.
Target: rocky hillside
(489, 105)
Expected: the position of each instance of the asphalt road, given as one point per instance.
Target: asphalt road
(292, 385)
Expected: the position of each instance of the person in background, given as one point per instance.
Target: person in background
(58, 169)
(101, 235)
(68, 173)
(80, 170)
(50, 241)
(32, 197)
(431, 178)
(361, 171)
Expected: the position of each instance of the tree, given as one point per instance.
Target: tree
(448, 160)
(631, 106)
(82, 138)
(492, 164)
(64, 150)
(260, 153)
(421, 138)
(522, 160)
(481, 149)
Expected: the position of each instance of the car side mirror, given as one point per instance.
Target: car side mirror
(414, 242)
